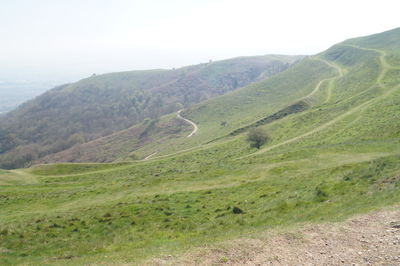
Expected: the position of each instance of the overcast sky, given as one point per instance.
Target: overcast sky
(70, 39)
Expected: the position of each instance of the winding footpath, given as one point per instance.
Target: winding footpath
(317, 88)
(178, 115)
(195, 128)
(331, 80)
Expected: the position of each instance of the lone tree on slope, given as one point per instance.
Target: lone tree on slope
(257, 137)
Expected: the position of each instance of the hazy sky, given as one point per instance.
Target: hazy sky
(70, 39)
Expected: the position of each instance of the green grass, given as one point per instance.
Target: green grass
(337, 158)
(141, 210)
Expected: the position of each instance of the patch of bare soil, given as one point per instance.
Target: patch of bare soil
(372, 239)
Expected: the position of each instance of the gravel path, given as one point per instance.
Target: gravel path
(372, 239)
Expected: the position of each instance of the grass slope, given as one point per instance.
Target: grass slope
(338, 157)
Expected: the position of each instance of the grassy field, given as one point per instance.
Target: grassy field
(339, 157)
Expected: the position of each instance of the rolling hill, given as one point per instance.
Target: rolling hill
(104, 104)
(334, 151)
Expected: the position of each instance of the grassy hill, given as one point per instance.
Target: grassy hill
(219, 116)
(337, 155)
(104, 104)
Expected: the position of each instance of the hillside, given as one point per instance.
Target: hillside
(104, 104)
(124, 143)
(334, 152)
(236, 109)
(319, 88)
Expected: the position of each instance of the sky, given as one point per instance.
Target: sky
(65, 40)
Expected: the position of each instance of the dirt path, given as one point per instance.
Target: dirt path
(195, 128)
(371, 239)
(331, 80)
(149, 156)
(384, 64)
(178, 115)
(339, 75)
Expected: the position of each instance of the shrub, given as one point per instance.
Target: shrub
(257, 137)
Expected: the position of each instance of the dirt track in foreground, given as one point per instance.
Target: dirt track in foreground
(371, 239)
